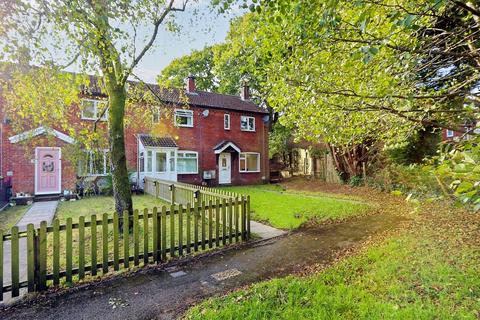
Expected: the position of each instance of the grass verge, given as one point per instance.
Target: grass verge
(10, 216)
(289, 209)
(429, 271)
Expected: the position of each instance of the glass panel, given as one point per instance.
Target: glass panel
(161, 162)
(243, 123)
(142, 162)
(101, 105)
(172, 161)
(88, 109)
(226, 121)
(149, 161)
(156, 116)
(252, 162)
(251, 124)
(187, 162)
(98, 163)
(48, 164)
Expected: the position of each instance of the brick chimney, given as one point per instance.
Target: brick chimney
(191, 87)
(245, 91)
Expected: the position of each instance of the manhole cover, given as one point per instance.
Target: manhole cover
(227, 274)
(178, 274)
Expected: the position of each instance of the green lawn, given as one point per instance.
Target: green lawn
(429, 272)
(99, 205)
(289, 209)
(10, 216)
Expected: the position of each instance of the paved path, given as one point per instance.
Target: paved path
(38, 212)
(166, 293)
(264, 231)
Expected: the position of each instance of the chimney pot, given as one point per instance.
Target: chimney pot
(191, 87)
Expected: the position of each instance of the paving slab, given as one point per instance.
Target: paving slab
(38, 212)
(264, 231)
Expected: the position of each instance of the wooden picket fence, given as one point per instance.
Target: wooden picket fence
(68, 253)
(183, 193)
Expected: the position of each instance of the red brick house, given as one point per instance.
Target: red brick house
(209, 139)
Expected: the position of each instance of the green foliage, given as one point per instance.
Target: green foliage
(459, 168)
(199, 63)
(279, 139)
(428, 272)
(421, 145)
(416, 180)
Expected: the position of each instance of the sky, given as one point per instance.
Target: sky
(200, 27)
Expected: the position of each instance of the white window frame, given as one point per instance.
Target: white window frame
(226, 121)
(149, 156)
(450, 133)
(244, 154)
(183, 113)
(182, 157)
(96, 110)
(242, 118)
(90, 163)
(156, 115)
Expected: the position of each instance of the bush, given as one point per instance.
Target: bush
(413, 179)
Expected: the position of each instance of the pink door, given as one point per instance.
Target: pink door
(48, 171)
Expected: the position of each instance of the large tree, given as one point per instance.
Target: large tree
(108, 37)
(364, 74)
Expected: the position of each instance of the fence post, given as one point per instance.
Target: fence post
(172, 194)
(30, 258)
(248, 216)
(1, 266)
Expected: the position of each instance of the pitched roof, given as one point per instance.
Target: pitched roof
(162, 142)
(208, 100)
(225, 144)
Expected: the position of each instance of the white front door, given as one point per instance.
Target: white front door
(225, 168)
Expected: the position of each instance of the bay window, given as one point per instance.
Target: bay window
(249, 162)
(187, 162)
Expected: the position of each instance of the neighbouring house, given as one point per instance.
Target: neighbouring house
(196, 137)
(305, 159)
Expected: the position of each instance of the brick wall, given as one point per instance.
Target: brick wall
(207, 132)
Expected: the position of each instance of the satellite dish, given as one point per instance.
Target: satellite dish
(205, 113)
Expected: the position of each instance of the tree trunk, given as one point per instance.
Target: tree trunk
(120, 180)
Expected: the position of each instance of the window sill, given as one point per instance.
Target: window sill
(187, 172)
(244, 130)
(250, 171)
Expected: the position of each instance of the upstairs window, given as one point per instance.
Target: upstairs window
(249, 162)
(450, 133)
(183, 118)
(247, 123)
(226, 121)
(156, 115)
(92, 109)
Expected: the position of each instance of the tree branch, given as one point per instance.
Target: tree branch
(157, 24)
